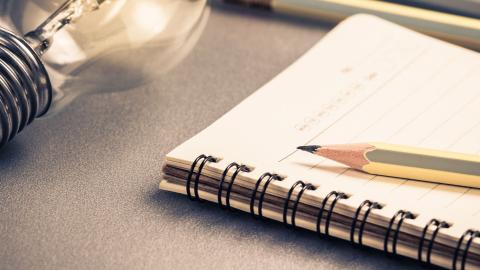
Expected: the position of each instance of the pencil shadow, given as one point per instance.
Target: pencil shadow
(328, 168)
(208, 216)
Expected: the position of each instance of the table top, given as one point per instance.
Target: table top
(79, 190)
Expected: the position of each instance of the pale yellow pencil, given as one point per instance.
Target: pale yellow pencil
(405, 162)
(461, 30)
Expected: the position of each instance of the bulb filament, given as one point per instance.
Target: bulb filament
(41, 38)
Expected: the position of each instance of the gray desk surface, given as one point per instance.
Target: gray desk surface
(80, 190)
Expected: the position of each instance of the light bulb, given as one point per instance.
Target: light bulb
(52, 51)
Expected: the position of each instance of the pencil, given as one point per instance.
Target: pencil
(458, 29)
(405, 162)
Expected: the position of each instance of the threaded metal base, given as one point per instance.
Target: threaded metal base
(25, 88)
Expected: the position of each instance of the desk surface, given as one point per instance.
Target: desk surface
(80, 190)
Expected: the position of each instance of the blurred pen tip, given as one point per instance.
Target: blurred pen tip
(309, 148)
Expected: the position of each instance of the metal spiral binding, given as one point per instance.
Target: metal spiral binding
(370, 206)
(270, 177)
(337, 196)
(238, 168)
(25, 88)
(401, 215)
(471, 234)
(438, 224)
(366, 207)
(204, 160)
(295, 204)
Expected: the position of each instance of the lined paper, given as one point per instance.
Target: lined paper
(386, 84)
(434, 103)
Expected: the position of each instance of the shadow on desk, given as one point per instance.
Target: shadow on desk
(12, 152)
(264, 14)
(210, 218)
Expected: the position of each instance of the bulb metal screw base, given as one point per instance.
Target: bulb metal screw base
(25, 88)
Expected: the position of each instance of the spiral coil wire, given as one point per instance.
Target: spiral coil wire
(25, 88)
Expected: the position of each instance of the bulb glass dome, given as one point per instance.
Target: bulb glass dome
(106, 45)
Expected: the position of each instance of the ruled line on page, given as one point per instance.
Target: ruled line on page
(441, 98)
(383, 115)
(451, 144)
(446, 120)
(378, 89)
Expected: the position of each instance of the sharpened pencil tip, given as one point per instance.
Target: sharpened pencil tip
(309, 148)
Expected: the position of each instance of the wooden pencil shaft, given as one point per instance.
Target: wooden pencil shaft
(458, 29)
(406, 162)
(416, 160)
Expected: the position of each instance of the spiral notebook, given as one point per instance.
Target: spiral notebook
(367, 80)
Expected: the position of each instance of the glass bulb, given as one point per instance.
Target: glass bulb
(90, 46)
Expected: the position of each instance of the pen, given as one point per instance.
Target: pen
(458, 29)
(405, 162)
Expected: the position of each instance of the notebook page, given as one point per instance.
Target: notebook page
(367, 80)
(434, 103)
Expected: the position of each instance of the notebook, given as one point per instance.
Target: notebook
(367, 80)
